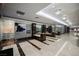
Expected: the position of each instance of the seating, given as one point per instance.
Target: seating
(50, 34)
(40, 37)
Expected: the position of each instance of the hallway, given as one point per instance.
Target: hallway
(39, 29)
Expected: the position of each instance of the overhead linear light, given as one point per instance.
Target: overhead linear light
(50, 17)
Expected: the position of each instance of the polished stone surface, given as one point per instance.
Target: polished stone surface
(15, 49)
(63, 45)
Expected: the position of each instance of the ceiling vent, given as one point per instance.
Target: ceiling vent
(36, 17)
(20, 12)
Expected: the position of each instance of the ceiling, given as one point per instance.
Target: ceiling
(30, 10)
(71, 10)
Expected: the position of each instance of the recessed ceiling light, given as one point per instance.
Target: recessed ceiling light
(58, 11)
(53, 6)
(68, 22)
(64, 18)
(50, 17)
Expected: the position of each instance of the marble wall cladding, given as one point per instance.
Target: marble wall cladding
(8, 35)
(8, 26)
(6, 29)
(1, 29)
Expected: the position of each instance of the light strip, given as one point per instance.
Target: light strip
(50, 17)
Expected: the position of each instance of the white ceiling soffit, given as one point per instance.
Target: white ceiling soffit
(49, 12)
(51, 17)
(71, 10)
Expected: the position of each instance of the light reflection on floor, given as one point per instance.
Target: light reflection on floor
(66, 45)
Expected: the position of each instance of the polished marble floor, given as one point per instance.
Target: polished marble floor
(63, 45)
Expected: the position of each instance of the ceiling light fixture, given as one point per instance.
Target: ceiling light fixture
(53, 6)
(64, 18)
(50, 17)
(68, 22)
(58, 12)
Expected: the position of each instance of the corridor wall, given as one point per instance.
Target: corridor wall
(9, 31)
